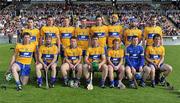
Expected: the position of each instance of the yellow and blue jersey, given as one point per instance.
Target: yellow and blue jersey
(129, 33)
(24, 53)
(50, 30)
(73, 54)
(83, 35)
(101, 32)
(149, 34)
(65, 34)
(48, 53)
(114, 32)
(155, 53)
(95, 54)
(35, 35)
(116, 55)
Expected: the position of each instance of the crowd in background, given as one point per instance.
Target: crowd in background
(11, 24)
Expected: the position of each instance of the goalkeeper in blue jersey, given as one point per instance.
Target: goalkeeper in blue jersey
(134, 61)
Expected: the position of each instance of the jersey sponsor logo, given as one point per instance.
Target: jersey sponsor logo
(95, 57)
(66, 35)
(150, 36)
(114, 34)
(25, 54)
(73, 57)
(33, 38)
(115, 61)
(83, 37)
(53, 35)
(48, 56)
(155, 57)
(100, 35)
(135, 56)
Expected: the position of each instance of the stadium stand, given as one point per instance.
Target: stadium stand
(168, 19)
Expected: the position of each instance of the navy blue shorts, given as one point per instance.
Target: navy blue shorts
(136, 67)
(154, 65)
(24, 69)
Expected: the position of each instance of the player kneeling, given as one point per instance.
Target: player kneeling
(21, 61)
(95, 61)
(72, 62)
(134, 62)
(155, 59)
(115, 61)
(47, 58)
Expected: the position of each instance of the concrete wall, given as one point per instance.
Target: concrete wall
(167, 40)
(171, 40)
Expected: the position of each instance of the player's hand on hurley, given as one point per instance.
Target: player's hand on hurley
(44, 65)
(74, 66)
(116, 67)
(48, 66)
(158, 66)
(71, 66)
(100, 66)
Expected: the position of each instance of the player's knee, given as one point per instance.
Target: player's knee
(133, 71)
(169, 68)
(14, 68)
(128, 70)
(105, 68)
(85, 67)
(79, 68)
(152, 67)
(153, 70)
(53, 67)
(110, 70)
(122, 68)
(64, 67)
(38, 67)
(147, 69)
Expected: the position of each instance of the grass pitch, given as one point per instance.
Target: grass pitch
(31, 94)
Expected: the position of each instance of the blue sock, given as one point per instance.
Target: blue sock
(65, 79)
(131, 82)
(39, 80)
(152, 81)
(53, 80)
(142, 80)
(112, 82)
(102, 82)
(18, 83)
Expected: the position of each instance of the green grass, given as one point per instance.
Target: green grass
(31, 94)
